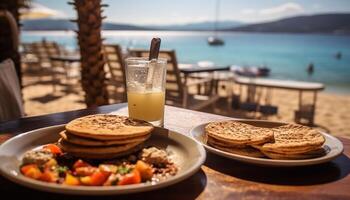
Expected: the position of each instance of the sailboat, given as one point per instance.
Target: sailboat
(215, 40)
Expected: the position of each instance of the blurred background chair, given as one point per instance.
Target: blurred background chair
(36, 58)
(116, 83)
(11, 105)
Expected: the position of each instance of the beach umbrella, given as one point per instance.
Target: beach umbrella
(90, 43)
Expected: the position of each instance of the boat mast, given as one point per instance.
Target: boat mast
(216, 17)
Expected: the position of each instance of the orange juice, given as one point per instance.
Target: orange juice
(148, 106)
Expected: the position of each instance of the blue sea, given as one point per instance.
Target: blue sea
(287, 55)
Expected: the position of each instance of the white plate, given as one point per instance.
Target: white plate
(335, 147)
(187, 154)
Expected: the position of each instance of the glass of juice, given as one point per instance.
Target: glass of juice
(145, 82)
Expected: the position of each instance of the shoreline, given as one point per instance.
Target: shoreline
(332, 110)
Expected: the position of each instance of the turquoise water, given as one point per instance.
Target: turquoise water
(287, 55)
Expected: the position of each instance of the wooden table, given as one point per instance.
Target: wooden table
(219, 178)
(192, 69)
(300, 86)
(67, 61)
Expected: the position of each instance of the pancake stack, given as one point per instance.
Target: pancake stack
(104, 136)
(285, 142)
(236, 137)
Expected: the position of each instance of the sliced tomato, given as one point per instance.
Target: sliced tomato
(96, 179)
(49, 176)
(31, 171)
(53, 149)
(85, 171)
(80, 163)
(132, 178)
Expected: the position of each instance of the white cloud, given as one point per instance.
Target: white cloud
(248, 11)
(282, 10)
(272, 13)
(37, 10)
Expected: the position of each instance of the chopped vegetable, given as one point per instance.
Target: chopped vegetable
(97, 178)
(123, 170)
(49, 176)
(80, 163)
(145, 170)
(108, 168)
(52, 162)
(62, 169)
(85, 171)
(71, 180)
(132, 178)
(31, 171)
(53, 149)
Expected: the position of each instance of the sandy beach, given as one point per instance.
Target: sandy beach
(332, 112)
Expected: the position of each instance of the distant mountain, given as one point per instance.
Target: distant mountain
(65, 24)
(322, 23)
(48, 24)
(200, 26)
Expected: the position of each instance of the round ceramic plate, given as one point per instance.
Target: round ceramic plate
(334, 150)
(186, 153)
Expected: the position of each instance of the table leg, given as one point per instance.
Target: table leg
(300, 99)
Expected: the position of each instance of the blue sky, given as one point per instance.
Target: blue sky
(187, 11)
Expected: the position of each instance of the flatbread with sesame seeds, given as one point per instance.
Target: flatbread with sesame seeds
(238, 133)
(114, 149)
(74, 139)
(306, 155)
(245, 151)
(108, 127)
(294, 139)
(216, 142)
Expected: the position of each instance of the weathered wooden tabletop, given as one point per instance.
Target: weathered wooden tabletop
(219, 178)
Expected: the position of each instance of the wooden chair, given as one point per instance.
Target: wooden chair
(115, 72)
(177, 91)
(37, 55)
(11, 105)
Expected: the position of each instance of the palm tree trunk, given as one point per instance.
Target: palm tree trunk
(92, 59)
(7, 48)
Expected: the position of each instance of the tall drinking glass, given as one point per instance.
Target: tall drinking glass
(145, 82)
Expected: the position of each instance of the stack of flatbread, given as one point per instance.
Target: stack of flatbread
(104, 136)
(285, 142)
(238, 138)
(294, 141)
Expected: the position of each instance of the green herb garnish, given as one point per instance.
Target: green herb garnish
(62, 169)
(123, 170)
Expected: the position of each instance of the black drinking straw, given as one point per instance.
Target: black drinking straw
(154, 49)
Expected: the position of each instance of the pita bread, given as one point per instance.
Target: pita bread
(108, 127)
(293, 138)
(238, 133)
(114, 149)
(224, 144)
(71, 138)
(99, 156)
(247, 151)
(311, 154)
